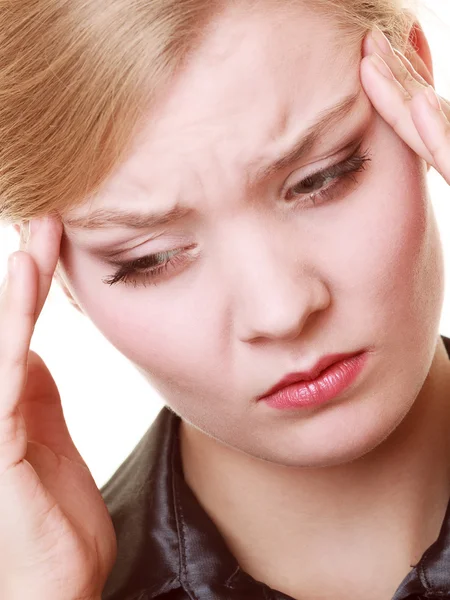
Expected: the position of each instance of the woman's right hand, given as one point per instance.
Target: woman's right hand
(57, 541)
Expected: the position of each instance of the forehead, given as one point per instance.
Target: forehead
(257, 76)
(258, 65)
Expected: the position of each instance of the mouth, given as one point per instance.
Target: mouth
(302, 376)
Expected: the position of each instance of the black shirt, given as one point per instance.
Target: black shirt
(169, 548)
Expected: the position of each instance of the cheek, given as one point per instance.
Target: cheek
(394, 258)
(170, 340)
(387, 239)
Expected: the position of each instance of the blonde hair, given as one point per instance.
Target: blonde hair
(76, 77)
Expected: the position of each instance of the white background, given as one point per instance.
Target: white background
(107, 403)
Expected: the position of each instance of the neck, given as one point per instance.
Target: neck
(376, 514)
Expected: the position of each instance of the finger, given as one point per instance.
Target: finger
(434, 129)
(17, 308)
(416, 66)
(43, 244)
(445, 104)
(392, 101)
(376, 42)
(405, 73)
(432, 125)
(409, 69)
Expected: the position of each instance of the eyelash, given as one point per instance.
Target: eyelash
(133, 272)
(341, 172)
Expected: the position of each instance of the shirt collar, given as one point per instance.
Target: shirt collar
(430, 578)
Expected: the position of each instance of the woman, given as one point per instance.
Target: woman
(271, 184)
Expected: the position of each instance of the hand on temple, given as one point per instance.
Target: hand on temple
(57, 540)
(407, 101)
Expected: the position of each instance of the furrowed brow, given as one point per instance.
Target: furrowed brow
(102, 218)
(305, 145)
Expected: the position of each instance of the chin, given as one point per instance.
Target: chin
(332, 442)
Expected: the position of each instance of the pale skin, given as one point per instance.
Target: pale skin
(341, 527)
(60, 555)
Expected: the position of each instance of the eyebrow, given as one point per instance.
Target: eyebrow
(308, 141)
(103, 217)
(125, 218)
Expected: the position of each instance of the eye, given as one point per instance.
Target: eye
(150, 268)
(324, 185)
(317, 188)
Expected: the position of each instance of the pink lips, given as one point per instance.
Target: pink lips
(330, 376)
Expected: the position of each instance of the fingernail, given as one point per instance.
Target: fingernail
(382, 41)
(381, 66)
(433, 98)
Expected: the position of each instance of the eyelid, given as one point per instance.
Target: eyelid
(349, 149)
(134, 262)
(110, 258)
(117, 258)
(126, 271)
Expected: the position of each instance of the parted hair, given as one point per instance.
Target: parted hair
(78, 76)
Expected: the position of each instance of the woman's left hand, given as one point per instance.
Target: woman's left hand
(405, 101)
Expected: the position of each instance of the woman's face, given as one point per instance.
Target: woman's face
(269, 266)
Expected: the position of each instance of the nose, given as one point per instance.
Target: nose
(275, 291)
